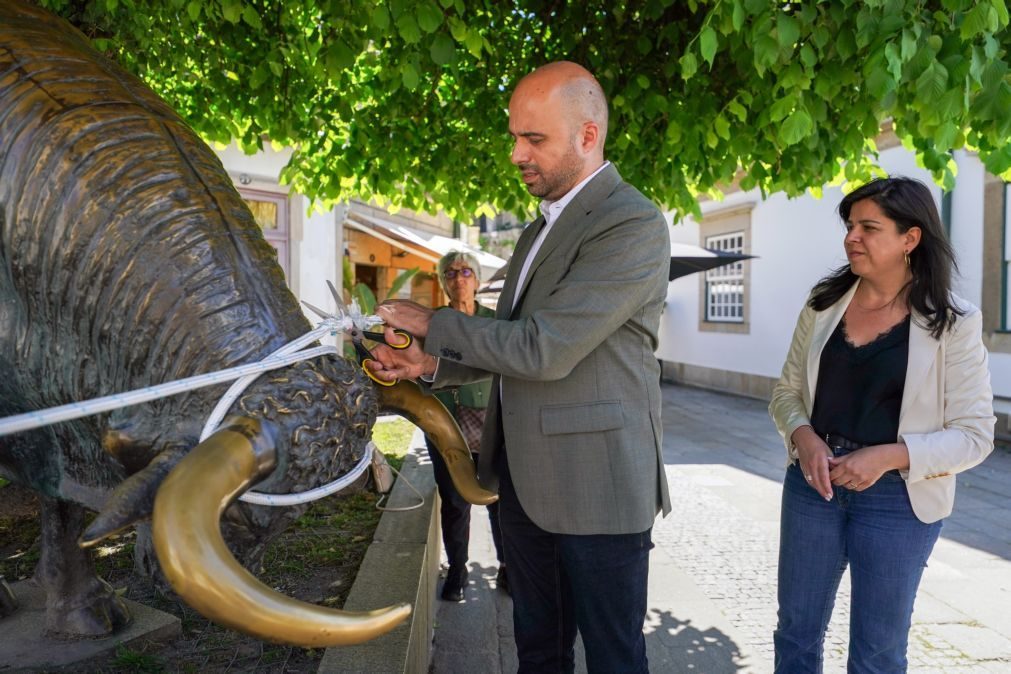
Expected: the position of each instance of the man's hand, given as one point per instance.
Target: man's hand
(391, 364)
(406, 315)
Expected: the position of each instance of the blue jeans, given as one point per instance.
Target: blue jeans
(886, 547)
(562, 582)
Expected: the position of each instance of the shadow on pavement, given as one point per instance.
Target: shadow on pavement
(682, 647)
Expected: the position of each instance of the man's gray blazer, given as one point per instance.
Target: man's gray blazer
(579, 410)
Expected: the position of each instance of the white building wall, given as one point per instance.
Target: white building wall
(966, 233)
(796, 242)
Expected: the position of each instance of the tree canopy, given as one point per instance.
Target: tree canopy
(406, 99)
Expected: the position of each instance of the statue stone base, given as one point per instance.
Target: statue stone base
(24, 644)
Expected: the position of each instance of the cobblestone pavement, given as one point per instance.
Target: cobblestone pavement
(712, 589)
(725, 464)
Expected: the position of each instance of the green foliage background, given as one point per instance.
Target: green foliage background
(405, 99)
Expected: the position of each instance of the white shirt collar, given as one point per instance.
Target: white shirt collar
(552, 209)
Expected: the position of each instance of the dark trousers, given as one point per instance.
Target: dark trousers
(561, 583)
(455, 514)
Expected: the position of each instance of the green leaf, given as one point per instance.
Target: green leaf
(458, 29)
(1002, 14)
(443, 50)
(976, 20)
(990, 47)
(474, 42)
(408, 29)
(722, 127)
(401, 279)
(993, 74)
(783, 107)
(673, 133)
(642, 81)
(339, 57)
(932, 84)
(738, 16)
(707, 44)
(738, 110)
(232, 10)
(909, 43)
(193, 9)
(796, 127)
(689, 65)
(879, 83)
(429, 17)
(894, 58)
(366, 298)
(807, 56)
(251, 17)
(845, 44)
(381, 17)
(821, 36)
(766, 51)
(788, 30)
(945, 136)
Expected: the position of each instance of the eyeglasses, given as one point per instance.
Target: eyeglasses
(450, 274)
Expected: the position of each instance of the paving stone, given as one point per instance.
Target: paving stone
(712, 598)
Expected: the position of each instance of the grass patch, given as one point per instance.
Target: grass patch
(20, 550)
(129, 660)
(393, 438)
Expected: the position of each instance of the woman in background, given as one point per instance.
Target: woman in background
(884, 397)
(459, 278)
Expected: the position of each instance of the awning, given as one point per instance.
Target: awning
(424, 244)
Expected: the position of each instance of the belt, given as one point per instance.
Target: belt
(838, 441)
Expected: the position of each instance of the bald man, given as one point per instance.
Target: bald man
(573, 437)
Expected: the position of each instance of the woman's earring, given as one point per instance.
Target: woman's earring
(905, 254)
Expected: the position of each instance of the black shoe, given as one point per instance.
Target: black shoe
(452, 589)
(502, 581)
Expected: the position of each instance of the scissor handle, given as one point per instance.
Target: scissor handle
(406, 338)
(373, 377)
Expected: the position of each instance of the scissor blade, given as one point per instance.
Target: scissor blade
(336, 296)
(325, 315)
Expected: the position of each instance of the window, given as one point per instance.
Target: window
(725, 285)
(724, 291)
(270, 210)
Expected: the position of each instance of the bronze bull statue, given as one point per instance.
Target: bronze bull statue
(128, 259)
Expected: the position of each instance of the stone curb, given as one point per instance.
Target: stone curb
(401, 565)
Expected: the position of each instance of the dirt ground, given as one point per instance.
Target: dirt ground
(316, 560)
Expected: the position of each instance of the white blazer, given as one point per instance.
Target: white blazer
(946, 418)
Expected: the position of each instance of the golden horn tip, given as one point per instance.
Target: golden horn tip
(201, 569)
(435, 420)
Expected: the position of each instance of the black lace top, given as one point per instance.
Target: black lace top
(859, 391)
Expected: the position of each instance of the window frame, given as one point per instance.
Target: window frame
(736, 219)
(731, 274)
(280, 237)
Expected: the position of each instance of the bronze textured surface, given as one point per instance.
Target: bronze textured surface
(127, 259)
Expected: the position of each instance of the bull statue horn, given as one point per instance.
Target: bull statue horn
(432, 417)
(201, 569)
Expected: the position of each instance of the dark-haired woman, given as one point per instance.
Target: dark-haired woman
(884, 397)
